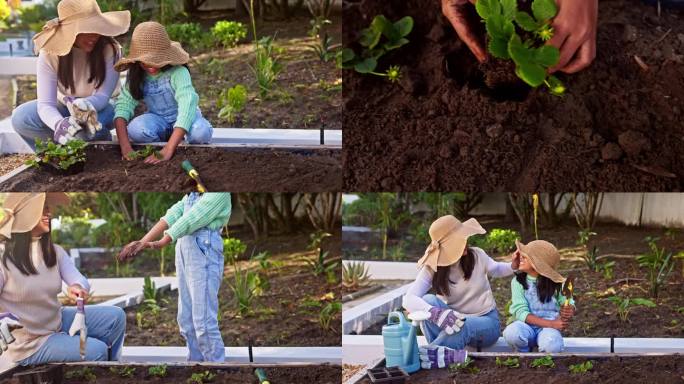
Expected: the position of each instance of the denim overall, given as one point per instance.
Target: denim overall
(157, 124)
(524, 337)
(199, 265)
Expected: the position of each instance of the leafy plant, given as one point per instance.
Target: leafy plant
(201, 377)
(232, 249)
(581, 367)
(157, 370)
(189, 34)
(85, 373)
(243, 289)
(147, 151)
(266, 67)
(659, 265)
(317, 25)
(62, 156)
(465, 367)
(589, 256)
(263, 258)
(355, 275)
(546, 361)
(328, 313)
(511, 362)
(500, 240)
(232, 101)
(229, 33)
(527, 50)
(381, 37)
(625, 305)
(324, 49)
(150, 292)
(123, 372)
(607, 269)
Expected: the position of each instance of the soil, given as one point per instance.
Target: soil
(10, 162)
(235, 170)
(617, 129)
(349, 370)
(616, 370)
(285, 315)
(329, 374)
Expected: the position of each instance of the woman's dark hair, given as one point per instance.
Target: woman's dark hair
(96, 62)
(18, 251)
(546, 288)
(136, 78)
(440, 282)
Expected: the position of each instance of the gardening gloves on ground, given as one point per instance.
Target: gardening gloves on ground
(8, 323)
(440, 356)
(84, 113)
(447, 319)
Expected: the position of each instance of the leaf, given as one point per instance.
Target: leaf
(531, 73)
(544, 9)
(348, 55)
(510, 7)
(499, 27)
(518, 51)
(404, 26)
(370, 38)
(487, 8)
(381, 24)
(396, 44)
(366, 66)
(526, 22)
(547, 55)
(644, 302)
(499, 48)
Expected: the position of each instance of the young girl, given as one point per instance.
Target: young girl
(195, 224)
(157, 74)
(536, 301)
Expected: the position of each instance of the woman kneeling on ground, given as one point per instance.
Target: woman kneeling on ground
(31, 275)
(464, 306)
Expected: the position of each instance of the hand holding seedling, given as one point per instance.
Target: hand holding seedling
(169, 149)
(575, 34)
(456, 12)
(558, 323)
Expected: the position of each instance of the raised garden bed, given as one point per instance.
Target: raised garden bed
(618, 128)
(616, 369)
(221, 169)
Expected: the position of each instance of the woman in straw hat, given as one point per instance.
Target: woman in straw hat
(75, 75)
(158, 74)
(31, 275)
(464, 311)
(536, 300)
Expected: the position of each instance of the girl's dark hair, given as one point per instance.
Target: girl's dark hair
(546, 288)
(18, 251)
(96, 62)
(440, 282)
(136, 78)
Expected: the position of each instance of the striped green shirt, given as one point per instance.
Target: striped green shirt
(184, 92)
(212, 210)
(519, 306)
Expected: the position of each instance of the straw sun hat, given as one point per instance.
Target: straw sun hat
(544, 257)
(22, 211)
(151, 45)
(449, 238)
(78, 16)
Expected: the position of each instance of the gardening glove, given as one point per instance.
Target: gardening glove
(79, 326)
(66, 129)
(440, 357)
(8, 323)
(457, 12)
(84, 112)
(447, 319)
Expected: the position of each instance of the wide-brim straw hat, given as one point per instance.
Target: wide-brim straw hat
(449, 239)
(151, 45)
(78, 16)
(22, 211)
(544, 257)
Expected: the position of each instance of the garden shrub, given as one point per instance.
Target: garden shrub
(188, 34)
(497, 240)
(229, 33)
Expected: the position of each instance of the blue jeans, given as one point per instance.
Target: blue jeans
(524, 337)
(29, 126)
(484, 329)
(106, 329)
(150, 127)
(199, 266)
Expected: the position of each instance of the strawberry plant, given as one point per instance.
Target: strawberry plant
(144, 153)
(625, 305)
(157, 370)
(60, 156)
(511, 362)
(465, 367)
(523, 44)
(381, 37)
(581, 367)
(546, 361)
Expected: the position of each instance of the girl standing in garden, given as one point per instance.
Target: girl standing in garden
(75, 71)
(157, 74)
(194, 223)
(540, 310)
(32, 270)
(464, 306)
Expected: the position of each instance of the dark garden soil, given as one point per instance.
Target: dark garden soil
(240, 170)
(617, 370)
(328, 374)
(287, 314)
(617, 129)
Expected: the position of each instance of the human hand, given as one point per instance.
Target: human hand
(567, 312)
(558, 323)
(456, 12)
(132, 249)
(8, 323)
(447, 319)
(515, 261)
(127, 151)
(161, 243)
(574, 34)
(75, 291)
(165, 154)
(66, 129)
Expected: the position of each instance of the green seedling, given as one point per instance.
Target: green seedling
(123, 372)
(381, 37)
(144, 153)
(625, 305)
(328, 313)
(157, 370)
(62, 156)
(581, 367)
(324, 48)
(201, 377)
(546, 361)
(659, 264)
(527, 50)
(511, 362)
(85, 373)
(464, 367)
(231, 102)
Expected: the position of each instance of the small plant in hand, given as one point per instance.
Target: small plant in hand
(511, 362)
(524, 44)
(157, 370)
(355, 275)
(60, 156)
(381, 37)
(625, 305)
(546, 361)
(464, 367)
(581, 367)
(231, 102)
(201, 377)
(123, 372)
(144, 153)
